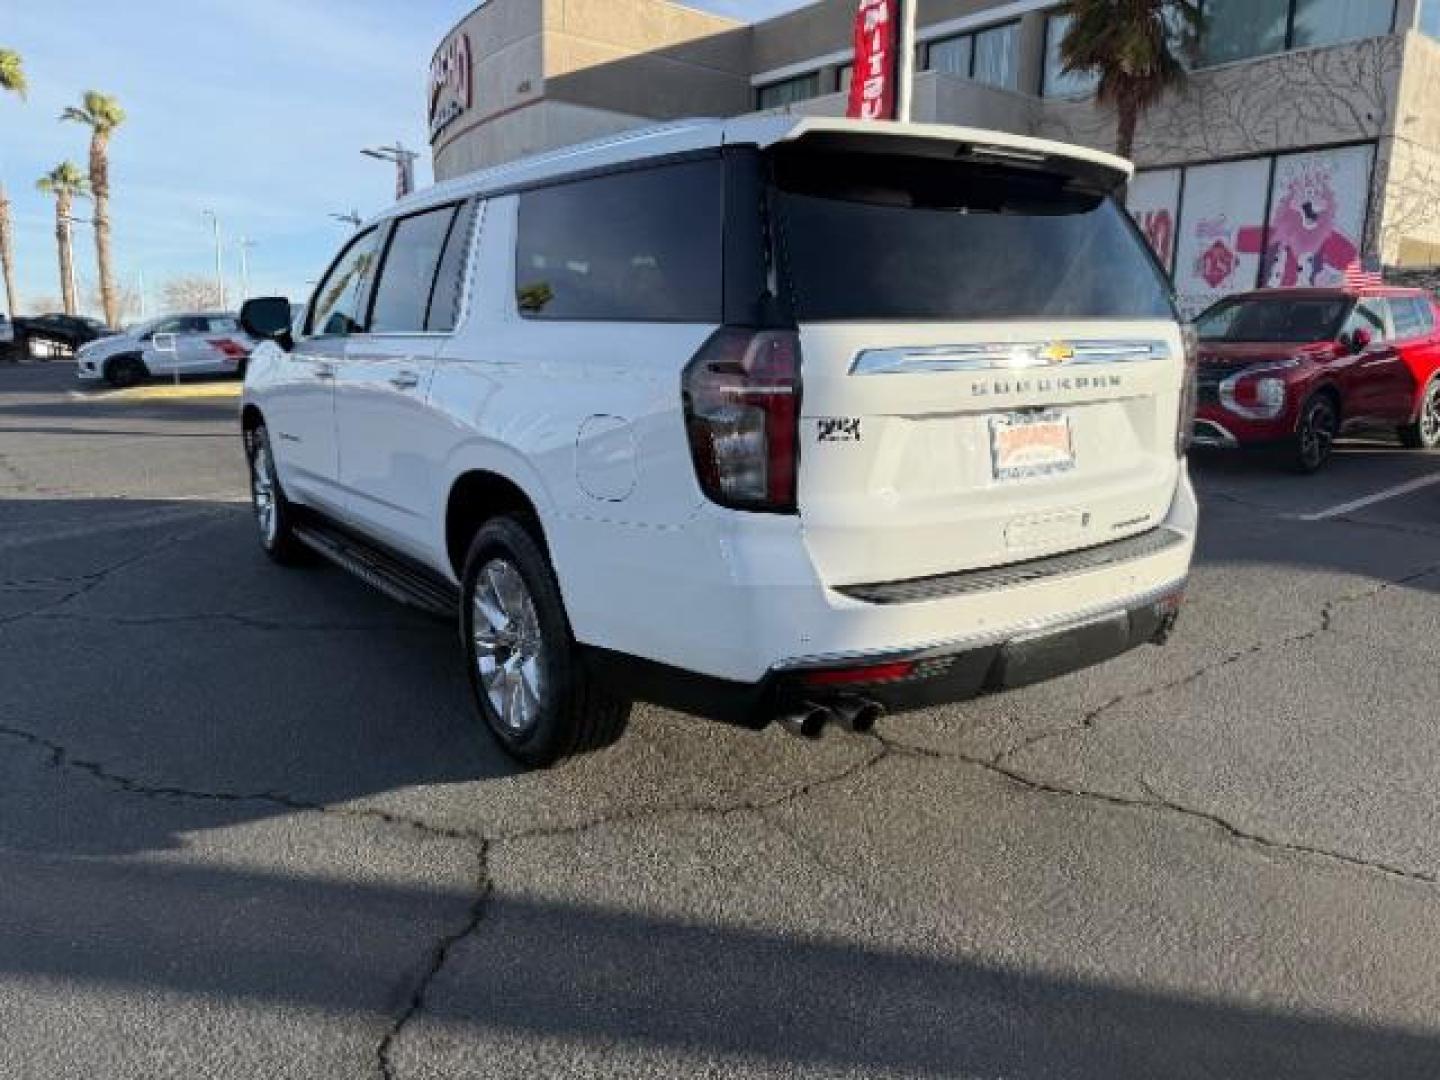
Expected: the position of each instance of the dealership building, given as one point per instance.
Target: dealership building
(1306, 140)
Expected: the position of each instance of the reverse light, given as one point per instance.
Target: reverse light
(1189, 391)
(1257, 392)
(742, 414)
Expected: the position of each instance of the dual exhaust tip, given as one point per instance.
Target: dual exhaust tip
(809, 720)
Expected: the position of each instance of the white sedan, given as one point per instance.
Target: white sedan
(204, 343)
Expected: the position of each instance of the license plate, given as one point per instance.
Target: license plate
(1025, 445)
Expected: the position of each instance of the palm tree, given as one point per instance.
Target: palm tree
(102, 114)
(12, 78)
(65, 182)
(12, 72)
(1138, 50)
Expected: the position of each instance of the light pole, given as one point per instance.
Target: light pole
(906, 96)
(404, 162)
(219, 256)
(244, 243)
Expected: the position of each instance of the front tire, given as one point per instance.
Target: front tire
(273, 516)
(1315, 435)
(1424, 434)
(528, 678)
(123, 371)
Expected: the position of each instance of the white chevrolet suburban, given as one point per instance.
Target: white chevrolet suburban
(763, 419)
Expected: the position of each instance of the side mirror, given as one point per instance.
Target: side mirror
(1359, 341)
(267, 318)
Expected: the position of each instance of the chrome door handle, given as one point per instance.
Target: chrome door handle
(405, 380)
(324, 371)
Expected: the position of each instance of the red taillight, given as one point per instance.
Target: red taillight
(875, 673)
(742, 413)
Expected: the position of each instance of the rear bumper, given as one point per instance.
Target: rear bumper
(906, 679)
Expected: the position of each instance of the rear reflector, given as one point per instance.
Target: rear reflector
(876, 673)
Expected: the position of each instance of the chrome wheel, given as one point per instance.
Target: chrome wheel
(263, 489)
(508, 647)
(1430, 416)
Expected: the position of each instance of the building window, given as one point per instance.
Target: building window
(997, 56)
(843, 75)
(990, 56)
(1325, 22)
(1242, 29)
(953, 56)
(788, 91)
(1058, 82)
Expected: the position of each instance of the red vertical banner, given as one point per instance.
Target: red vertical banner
(877, 55)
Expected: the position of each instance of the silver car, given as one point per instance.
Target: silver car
(199, 343)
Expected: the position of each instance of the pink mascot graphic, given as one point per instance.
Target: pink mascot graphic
(1306, 245)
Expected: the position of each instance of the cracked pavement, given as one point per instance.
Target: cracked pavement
(248, 829)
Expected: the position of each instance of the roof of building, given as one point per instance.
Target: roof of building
(761, 130)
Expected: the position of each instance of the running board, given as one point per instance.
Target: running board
(387, 573)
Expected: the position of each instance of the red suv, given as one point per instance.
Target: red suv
(1292, 368)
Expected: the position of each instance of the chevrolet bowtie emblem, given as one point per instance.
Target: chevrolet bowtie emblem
(1057, 352)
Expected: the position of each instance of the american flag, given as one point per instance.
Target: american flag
(1364, 274)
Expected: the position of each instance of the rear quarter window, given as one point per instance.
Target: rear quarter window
(638, 246)
(884, 236)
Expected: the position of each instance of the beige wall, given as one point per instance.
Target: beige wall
(505, 42)
(544, 125)
(1408, 175)
(1343, 93)
(649, 57)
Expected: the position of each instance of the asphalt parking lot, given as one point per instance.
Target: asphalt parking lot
(248, 829)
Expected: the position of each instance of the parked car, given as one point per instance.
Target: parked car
(7, 338)
(203, 343)
(66, 331)
(1291, 369)
(593, 406)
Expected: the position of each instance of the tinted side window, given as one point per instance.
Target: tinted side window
(1413, 318)
(402, 295)
(335, 308)
(450, 280)
(223, 326)
(641, 246)
(1408, 320)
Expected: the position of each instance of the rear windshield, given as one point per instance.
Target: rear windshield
(884, 236)
(1273, 320)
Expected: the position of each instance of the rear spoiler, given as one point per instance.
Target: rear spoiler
(1105, 172)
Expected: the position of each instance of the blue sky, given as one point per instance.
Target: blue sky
(256, 109)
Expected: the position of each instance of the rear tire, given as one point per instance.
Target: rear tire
(1315, 435)
(273, 516)
(1424, 434)
(529, 680)
(127, 370)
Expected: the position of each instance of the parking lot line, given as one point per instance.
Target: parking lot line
(1371, 500)
(183, 392)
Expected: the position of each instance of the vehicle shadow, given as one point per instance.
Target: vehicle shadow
(645, 984)
(150, 645)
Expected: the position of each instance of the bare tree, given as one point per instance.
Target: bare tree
(127, 300)
(192, 292)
